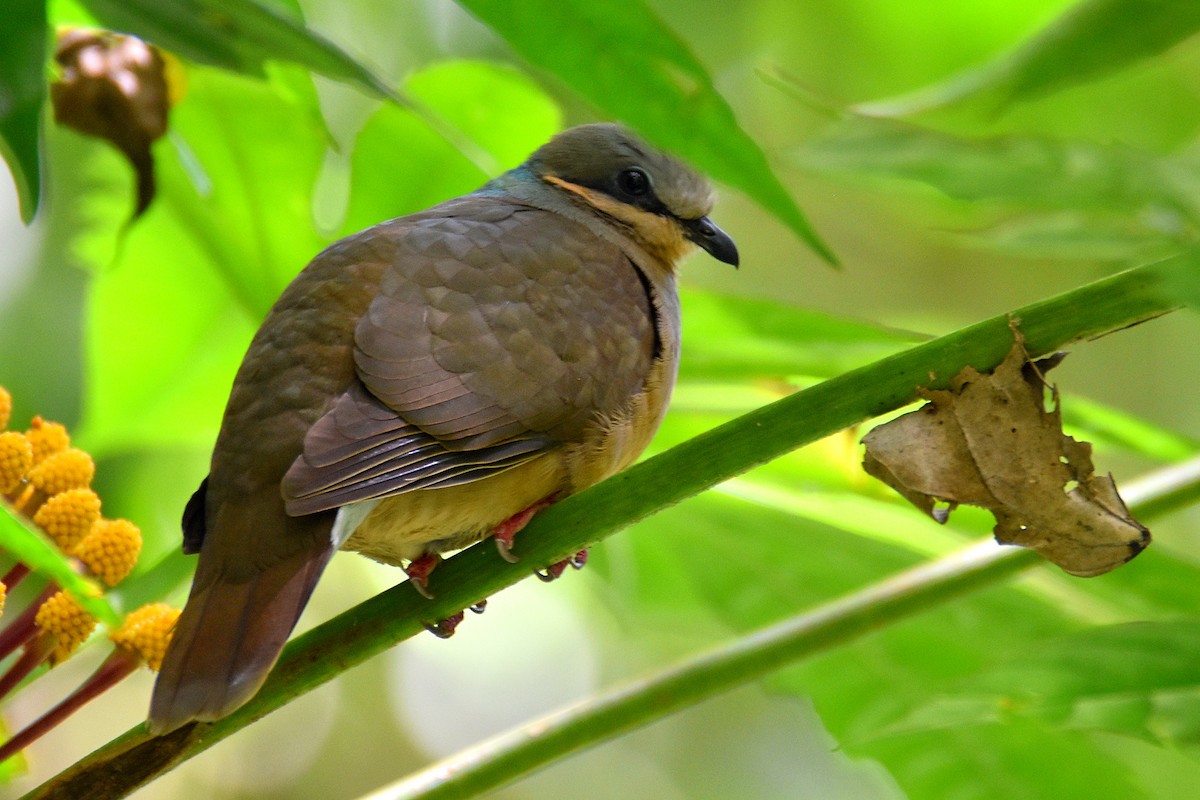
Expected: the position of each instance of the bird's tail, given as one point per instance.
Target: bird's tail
(231, 632)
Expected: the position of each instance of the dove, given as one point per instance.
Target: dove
(434, 380)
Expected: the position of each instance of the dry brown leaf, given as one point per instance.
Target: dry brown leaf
(989, 441)
(113, 87)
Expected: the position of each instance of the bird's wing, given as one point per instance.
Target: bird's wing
(499, 332)
(362, 449)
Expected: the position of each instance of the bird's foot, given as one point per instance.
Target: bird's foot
(507, 531)
(556, 569)
(444, 629)
(419, 570)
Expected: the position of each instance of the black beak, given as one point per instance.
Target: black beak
(717, 242)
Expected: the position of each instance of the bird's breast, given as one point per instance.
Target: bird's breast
(404, 526)
(617, 438)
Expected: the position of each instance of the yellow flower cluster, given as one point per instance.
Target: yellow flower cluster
(46, 438)
(47, 479)
(44, 476)
(68, 517)
(16, 458)
(62, 471)
(110, 550)
(146, 632)
(39, 463)
(67, 622)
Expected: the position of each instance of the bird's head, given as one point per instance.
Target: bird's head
(657, 200)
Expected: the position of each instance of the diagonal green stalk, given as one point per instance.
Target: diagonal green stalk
(520, 751)
(514, 754)
(1106, 305)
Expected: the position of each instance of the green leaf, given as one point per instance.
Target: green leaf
(1163, 583)
(151, 486)
(624, 60)
(1112, 237)
(1074, 199)
(1160, 770)
(495, 106)
(1185, 288)
(698, 555)
(1093, 39)
(22, 92)
(401, 165)
(749, 564)
(1136, 678)
(237, 35)
(175, 569)
(1100, 423)
(727, 338)
(1027, 171)
(232, 225)
(886, 522)
(992, 761)
(25, 544)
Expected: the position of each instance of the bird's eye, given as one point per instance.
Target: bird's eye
(633, 182)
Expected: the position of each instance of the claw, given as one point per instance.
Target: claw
(504, 543)
(579, 560)
(507, 531)
(418, 571)
(555, 570)
(479, 607)
(444, 629)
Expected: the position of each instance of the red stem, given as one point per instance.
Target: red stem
(114, 669)
(14, 576)
(23, 628)
(35, 653)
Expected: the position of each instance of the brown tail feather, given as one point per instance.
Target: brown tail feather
(230, 635)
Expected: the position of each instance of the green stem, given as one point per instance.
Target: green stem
(1110, 304)
(516, 753)
(511, 755)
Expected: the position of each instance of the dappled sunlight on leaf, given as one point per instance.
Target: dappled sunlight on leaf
(500, 109)
(1094, 38)
(400, 165)
(1118, 678)
(990, 759)
(1037, 196)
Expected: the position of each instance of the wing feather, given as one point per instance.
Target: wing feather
(498, 333)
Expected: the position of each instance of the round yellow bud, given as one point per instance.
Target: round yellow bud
(63, 618)
(68, 517)
(16, 457)
(5, 408)
(146, 632)
(68, 469)
(110, 551)
(47, 438)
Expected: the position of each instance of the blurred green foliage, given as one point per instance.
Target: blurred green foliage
(1052, 145)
